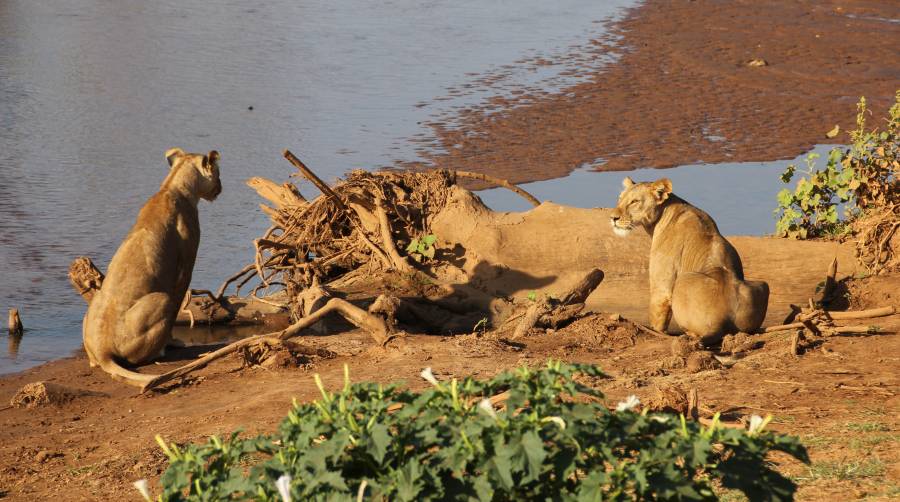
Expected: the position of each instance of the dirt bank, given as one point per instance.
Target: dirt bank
(840, 396)
(682, 91)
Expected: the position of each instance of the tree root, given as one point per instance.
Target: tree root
(376, 326)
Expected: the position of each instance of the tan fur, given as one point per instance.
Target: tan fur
(130, 320)
(696, 275)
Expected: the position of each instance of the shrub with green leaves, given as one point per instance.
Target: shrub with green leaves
(421, 249)
(381, 442)
(863, 176)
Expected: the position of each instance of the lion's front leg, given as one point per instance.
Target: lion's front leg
(660, 311)
(662, 283)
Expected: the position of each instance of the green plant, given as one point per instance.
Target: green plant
(863, 176)
(844, 470)
(481, 324)
(554, 440)
(423, 248)
(811, 209)
(867, 427)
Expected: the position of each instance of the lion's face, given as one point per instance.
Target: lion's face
(640, 204)
(197, 172)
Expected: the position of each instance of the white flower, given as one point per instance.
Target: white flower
(628, 404)
(429, 376)
(757, 423)
(488, 408)
(556, 420)
(141, 486)
(284, 487)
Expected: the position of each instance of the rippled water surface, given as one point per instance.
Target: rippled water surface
(93, 92)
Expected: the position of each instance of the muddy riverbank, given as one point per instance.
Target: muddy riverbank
(683, 90)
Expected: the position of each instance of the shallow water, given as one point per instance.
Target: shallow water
(740, 196)
(92, 93)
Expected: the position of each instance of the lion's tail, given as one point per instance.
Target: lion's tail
(127, 376)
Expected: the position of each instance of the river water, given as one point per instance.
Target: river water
(92, 92)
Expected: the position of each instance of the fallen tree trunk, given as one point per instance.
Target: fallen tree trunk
(549, 248)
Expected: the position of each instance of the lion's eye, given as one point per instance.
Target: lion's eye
(632, 203)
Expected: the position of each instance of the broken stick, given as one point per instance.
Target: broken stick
(376, 326)
(499, 182)
(570, 305)
(311, 176)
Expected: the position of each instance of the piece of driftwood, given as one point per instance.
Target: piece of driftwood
(499, 182)
(376, 326)
(806, 316)
(311, 176)
(829, 285)
(282, 196)
(15, 323)
(550, 312)
(85, 277)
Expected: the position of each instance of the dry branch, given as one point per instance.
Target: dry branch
(311, 176)
(281, 196)
(863, 314)
(399, 262)
(85, 277)
(499, 182)
(828, 287)
(546, 311)
(376, 326)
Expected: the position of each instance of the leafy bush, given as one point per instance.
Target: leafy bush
(448, 443)
(423, 248)
(863, 176)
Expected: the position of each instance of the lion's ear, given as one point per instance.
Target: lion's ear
(212, 158)
(627, 182)
(662, 188)
(172, 154)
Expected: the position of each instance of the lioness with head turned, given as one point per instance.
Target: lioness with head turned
(696, 275)
(130, 320)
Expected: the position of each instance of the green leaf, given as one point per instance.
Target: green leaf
(785, 198)
(378, 441)
(533, 448)
(429, 239)
(788, 173)
(409, 482)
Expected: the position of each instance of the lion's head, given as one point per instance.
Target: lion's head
(640, 204)
(197, 173)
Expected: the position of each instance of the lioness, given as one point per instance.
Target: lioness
(695, 274)
(130, 319)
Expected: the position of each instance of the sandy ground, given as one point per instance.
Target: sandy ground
(839, 396)
(681, 91)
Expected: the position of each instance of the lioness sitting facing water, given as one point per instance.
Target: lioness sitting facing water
(131, 318)
(695, 274)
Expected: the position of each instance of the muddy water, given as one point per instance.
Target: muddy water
(92, 93)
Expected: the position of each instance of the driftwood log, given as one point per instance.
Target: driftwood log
(547, 311)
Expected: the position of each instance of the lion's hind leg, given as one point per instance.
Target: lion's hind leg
(147, 327)
(752, 304)
(701, 304)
